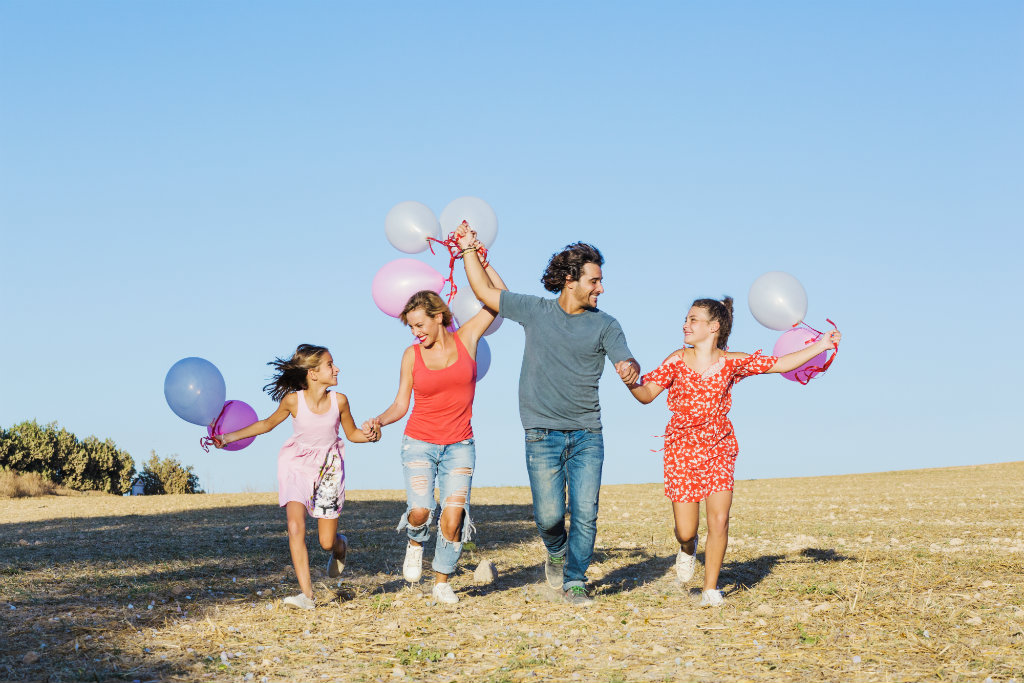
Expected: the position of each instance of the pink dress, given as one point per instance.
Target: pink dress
(311, 464)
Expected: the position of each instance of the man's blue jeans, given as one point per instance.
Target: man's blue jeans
(558, 461)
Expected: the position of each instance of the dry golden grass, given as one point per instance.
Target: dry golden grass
(26, 485)
(897, 576)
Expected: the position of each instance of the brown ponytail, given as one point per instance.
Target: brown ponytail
(720, 312)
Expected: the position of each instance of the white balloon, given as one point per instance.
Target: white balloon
(483, 359)
(465, 305)
(477, 213)
(777, 300)
(409, 224)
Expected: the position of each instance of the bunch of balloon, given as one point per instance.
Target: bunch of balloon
(778, 301)
(411, 227)
(195, 391)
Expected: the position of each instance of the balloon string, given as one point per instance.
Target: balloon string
(451, 243)
(208, 441)
(813, 371)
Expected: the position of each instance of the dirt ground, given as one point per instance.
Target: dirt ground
(897, 576)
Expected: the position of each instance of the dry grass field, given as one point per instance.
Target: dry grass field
(898, 576)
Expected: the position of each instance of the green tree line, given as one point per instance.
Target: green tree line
(87, 464)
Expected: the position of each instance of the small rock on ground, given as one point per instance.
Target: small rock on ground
(485, 572)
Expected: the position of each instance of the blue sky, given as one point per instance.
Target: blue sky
(211, 179)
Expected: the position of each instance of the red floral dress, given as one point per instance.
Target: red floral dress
(700, 445)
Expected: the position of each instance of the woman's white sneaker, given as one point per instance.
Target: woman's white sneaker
(443, 593)
(300, 601)
(412, 567)
(711, 598)
(685, 564)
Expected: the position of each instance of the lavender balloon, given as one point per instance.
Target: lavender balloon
(794, 340)
(194, 389)
(234, 416)
(483, 359)
(398, 280)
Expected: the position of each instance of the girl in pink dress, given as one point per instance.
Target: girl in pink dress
(700, 446)
(311, 464)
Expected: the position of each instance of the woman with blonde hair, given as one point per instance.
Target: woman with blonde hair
(439, 373)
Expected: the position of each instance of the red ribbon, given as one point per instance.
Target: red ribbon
(451, 243)
(208, 441)
(812, 371)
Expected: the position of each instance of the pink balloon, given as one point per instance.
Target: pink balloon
(398, 280)
(795, 340)
(234, 416)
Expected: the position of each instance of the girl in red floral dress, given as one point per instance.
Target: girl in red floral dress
(700, 447)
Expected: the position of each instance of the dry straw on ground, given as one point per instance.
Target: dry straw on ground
(882, 577)
(25, 485)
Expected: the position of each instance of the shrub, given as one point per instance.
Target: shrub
(56, 454)
(167, 475)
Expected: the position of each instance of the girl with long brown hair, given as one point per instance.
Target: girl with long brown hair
(311, 464)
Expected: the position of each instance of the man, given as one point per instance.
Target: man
(567, 340)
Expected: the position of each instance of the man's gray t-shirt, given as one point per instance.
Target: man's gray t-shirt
(563, 361)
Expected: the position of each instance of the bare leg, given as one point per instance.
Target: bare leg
(327, 530)
(686, 516)
(418, 517)
(295, 513)
(716, 507)
(451, 526)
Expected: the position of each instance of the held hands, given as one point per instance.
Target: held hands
(629, 371)
(466, 237)
(371, 430)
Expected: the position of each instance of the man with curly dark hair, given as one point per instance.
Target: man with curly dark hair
(567, 341)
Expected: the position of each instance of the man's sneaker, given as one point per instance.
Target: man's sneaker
(412, 568)
(443, 593)
(685, 564)
(300, 601)
(711, 598)
(336, 562)
(577, 595)
(554, 571)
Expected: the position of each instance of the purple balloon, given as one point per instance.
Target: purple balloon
(398, 280)
(234, 416)
(795, 340)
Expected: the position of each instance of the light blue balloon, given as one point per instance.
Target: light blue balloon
(483, 359)
(195, 391)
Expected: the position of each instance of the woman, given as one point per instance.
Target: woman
(439, 372)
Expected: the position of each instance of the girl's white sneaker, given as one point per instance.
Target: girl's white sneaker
(336, 561)
(444, 593)
(300, 601)
(711, 598)
(685, 564)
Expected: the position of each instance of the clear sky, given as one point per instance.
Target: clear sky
(211, 179)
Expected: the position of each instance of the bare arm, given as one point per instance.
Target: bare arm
(286, 407)
(354, 434)
(478, 324)
(484, 289)
(791, 361)
(645, 393)
(397, 410)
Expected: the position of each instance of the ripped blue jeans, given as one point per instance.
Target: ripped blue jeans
(450, 468)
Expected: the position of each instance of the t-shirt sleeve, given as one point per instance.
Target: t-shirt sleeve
(754, 364)
(518, 307)
(613, 339)
(663, 375)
